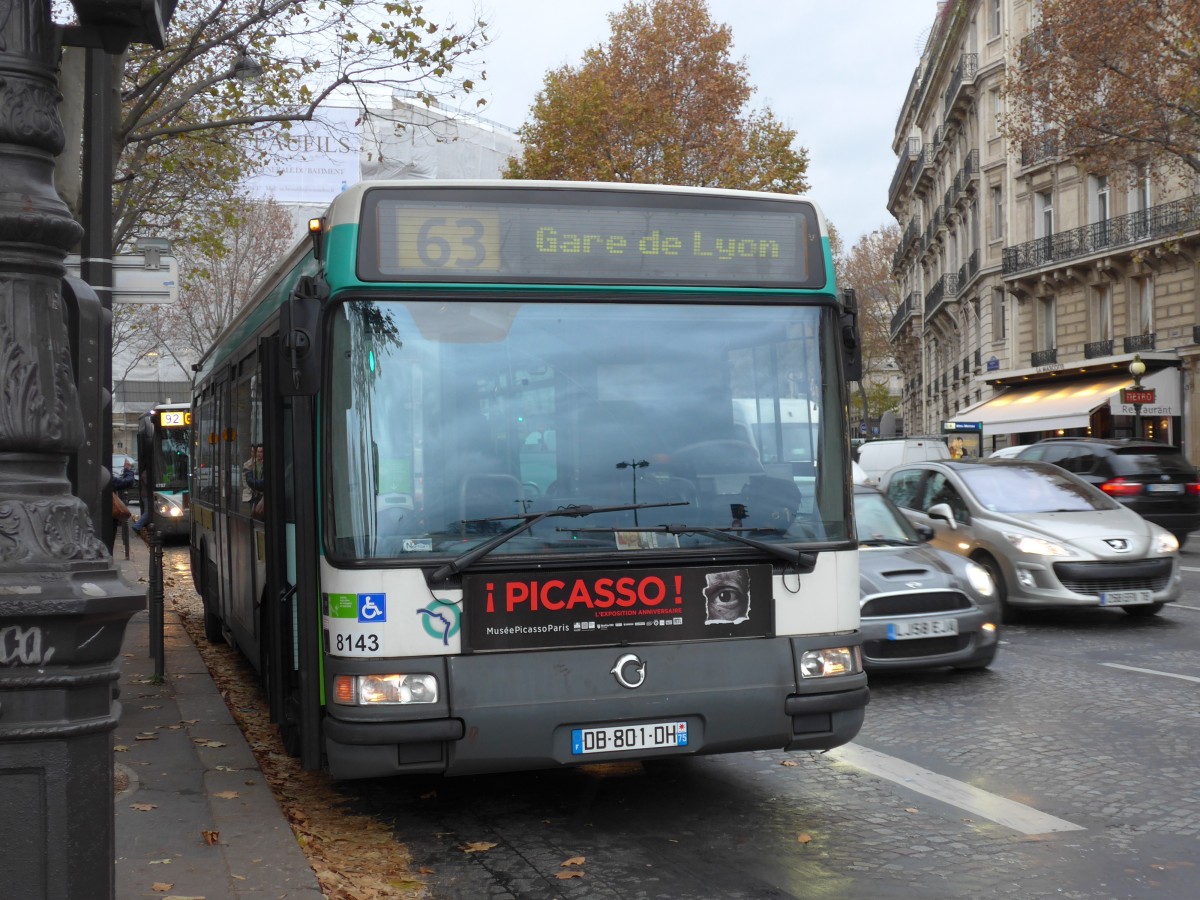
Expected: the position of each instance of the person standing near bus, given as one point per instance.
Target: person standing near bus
(252, 480)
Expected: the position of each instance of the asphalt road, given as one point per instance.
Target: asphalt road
(1070, 769)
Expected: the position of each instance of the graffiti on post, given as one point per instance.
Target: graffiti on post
(23, 646)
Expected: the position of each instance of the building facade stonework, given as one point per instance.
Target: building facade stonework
(1021, 271)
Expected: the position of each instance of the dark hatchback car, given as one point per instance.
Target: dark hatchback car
(1154, 480)
(921, 607)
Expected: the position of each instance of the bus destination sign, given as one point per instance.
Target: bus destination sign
(175, 418)
(508, 612)
(656, 238)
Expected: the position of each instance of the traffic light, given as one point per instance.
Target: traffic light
(90, 328)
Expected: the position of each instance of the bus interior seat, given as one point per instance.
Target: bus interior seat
(486, 496)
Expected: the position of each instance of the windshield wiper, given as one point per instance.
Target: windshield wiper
(886, 542)
(804, 561)
(476, 553)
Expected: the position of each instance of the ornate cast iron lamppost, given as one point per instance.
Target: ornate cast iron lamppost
(63, 607)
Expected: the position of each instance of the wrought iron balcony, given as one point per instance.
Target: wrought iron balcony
(1040, 148)
(945, 290)
(1139, 342)
(1097, 349)
(925, 161)
(964, 73)
(1167, 220)
(1044, 357)
(911, 151)
(904, 312)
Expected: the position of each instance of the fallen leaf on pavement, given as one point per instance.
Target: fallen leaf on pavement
(573, 861)
(569, 873)
(478, 846)
(911, 809)
(161, 886)
(211, 837)
(789, 762)
(121, 748)
(804, 839)
(227, 795)
(143, 807)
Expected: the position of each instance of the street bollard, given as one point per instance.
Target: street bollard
(155, 601)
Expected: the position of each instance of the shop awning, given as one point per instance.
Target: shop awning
(1042, 407)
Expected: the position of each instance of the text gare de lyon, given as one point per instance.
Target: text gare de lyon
(548, 239)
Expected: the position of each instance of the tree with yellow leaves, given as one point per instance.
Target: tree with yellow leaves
(1110, 82)
(661, 102)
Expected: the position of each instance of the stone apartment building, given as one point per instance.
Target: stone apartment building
(1029, 283)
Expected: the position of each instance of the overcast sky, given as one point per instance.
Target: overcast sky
(835, 72)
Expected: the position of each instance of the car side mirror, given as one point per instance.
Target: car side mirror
(943, 511)
(925, 532)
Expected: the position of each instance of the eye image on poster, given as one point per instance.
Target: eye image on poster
(593, 608)
(727, 597)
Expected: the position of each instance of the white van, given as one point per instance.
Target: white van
(876, 457)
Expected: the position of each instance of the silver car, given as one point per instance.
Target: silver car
(921, 607)
(1048, 538)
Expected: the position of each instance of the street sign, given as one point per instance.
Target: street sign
(138, 279)
(1139, 396)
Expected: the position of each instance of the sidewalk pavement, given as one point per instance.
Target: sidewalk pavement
(190, 774)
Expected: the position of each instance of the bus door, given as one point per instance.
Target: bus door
(291, 623)
(246, 503)
(224, 480)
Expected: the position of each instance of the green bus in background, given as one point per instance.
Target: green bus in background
(164, 441)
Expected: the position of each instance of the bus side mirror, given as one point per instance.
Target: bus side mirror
(300, 336)
(851, 339)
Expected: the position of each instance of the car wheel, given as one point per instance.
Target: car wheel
(1144, 610)
(1008, 613)
(980, 662)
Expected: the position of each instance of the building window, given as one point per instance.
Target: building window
(1141, 314)
(1043, 225)
(994, 19)
(1047, 322)
(1101, 329)
(1139, 200)
(996, 102)
(999, 314)
(1099, 211)
(997, 212)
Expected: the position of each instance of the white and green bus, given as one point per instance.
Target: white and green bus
(504, 516)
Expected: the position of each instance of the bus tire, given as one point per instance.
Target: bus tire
(212, 620)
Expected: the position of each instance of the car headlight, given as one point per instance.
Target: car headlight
(1036, 546)
(979, 579)
(1165, 542)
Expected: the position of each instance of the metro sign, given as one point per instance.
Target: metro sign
(1139, 396)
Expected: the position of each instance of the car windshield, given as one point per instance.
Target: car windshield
(877, 521)
(1025, 489)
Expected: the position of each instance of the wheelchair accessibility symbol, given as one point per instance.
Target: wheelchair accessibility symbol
(372, 607)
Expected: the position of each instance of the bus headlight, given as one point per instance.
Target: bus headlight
(374, 690)
(830, 661)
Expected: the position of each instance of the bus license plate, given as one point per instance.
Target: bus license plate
(622, 738)
(921, 628)
(1124, 598)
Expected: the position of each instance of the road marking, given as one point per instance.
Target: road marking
(1000, 810)
(1189, 569)
(1181, 606)
(1151, 672)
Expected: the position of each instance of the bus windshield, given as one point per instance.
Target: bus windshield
(450, 420)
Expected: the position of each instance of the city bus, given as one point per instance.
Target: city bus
(164, 439)
(504, 516)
